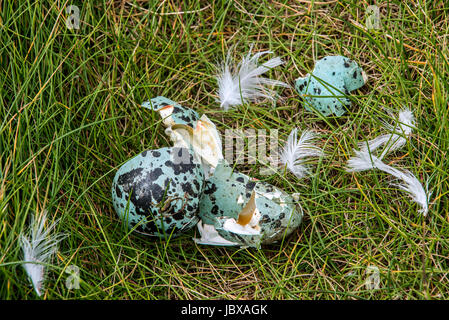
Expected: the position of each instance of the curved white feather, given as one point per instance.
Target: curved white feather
(295, 151)
(363, 160)
(394, 140)
(38, 248)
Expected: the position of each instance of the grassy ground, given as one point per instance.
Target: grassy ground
(70, 116)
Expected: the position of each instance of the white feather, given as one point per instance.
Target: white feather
(363, 160)
(237, 85)
(296, 151)
(38, 248)
(394, 140)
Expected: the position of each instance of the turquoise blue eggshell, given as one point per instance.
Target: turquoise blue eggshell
(157, 192)
(280, 215)
(327, 89)
(180, 114)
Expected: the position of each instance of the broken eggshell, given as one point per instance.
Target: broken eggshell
(185, 128)
(236, 210)
(332, 79)
(158, 191)
(158, 197)
(172, 112)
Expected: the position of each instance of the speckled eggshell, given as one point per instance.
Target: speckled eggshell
(159, 191)
(177, 113)
(226, 193)
(327, 89)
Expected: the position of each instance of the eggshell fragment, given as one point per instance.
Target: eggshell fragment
(327, 88)
(266, 214)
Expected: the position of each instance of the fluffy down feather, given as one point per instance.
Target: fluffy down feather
(296, 151)
(237, 85)
(38, 248)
